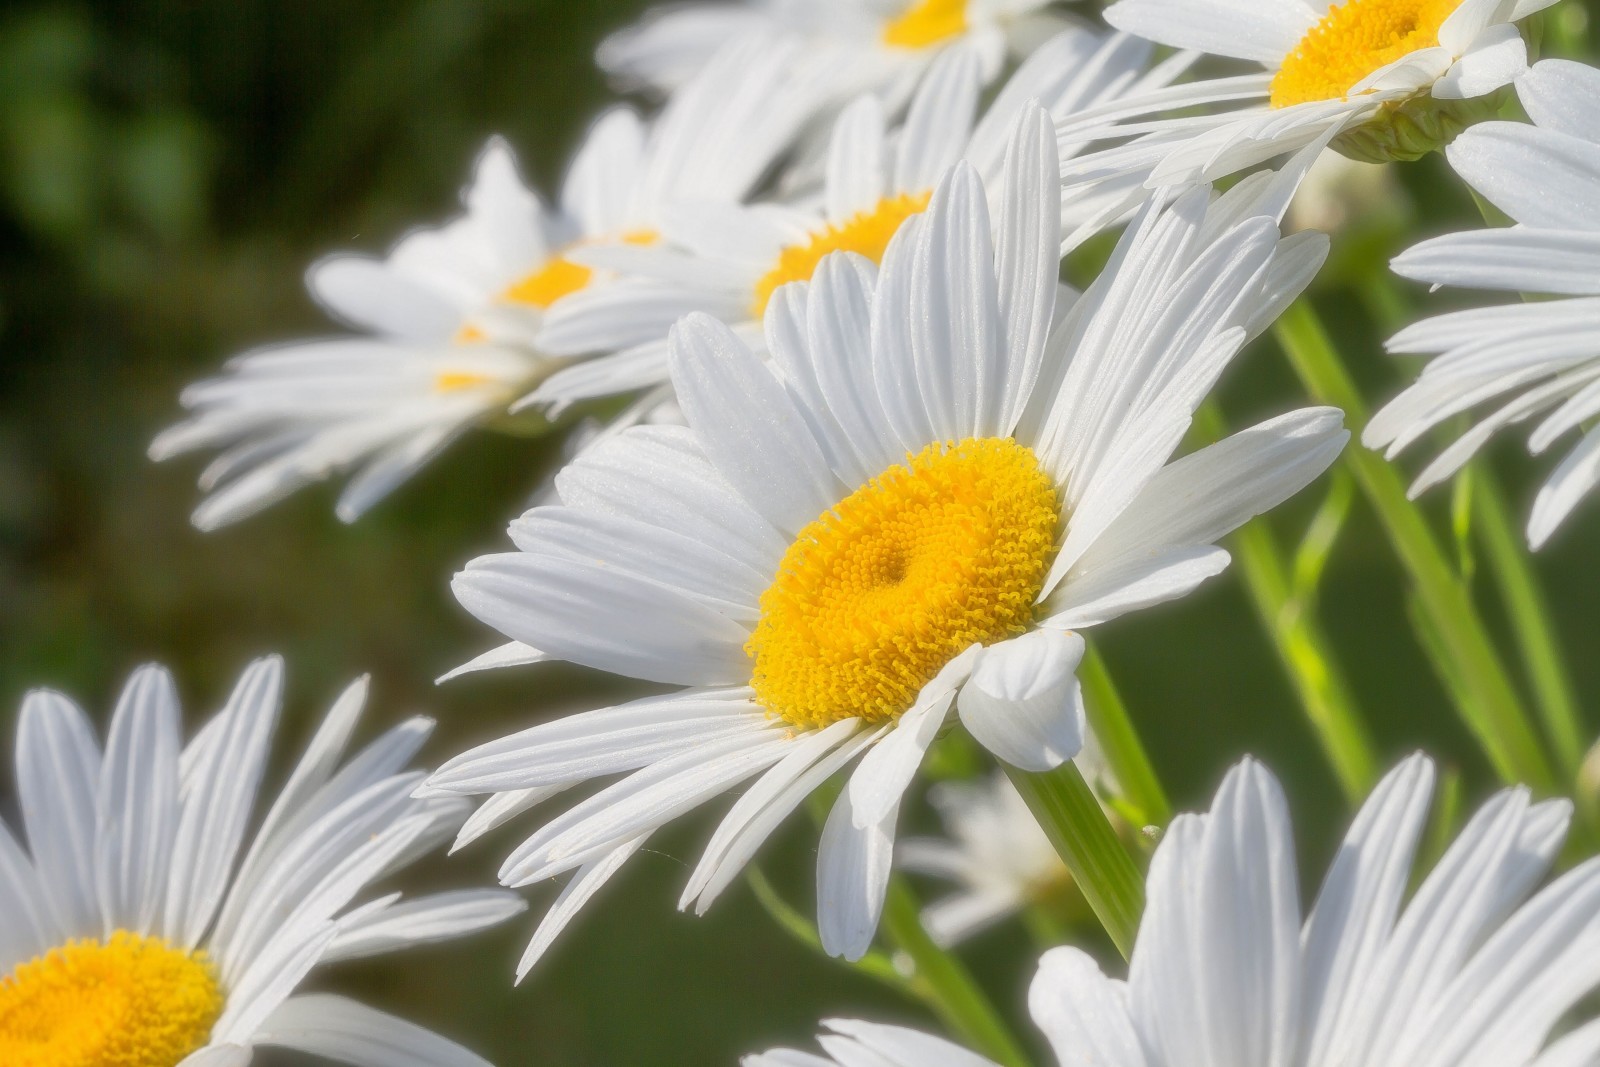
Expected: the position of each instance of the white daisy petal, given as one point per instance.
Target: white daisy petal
(339, 1029)
(31, 929)
(58, 787)
(1557, 94)
(1493, 156)
(545, 602)
(1360, 900)
(641, 802)
(905, 1046)
(853, 864)
(440, 917)
(759, 811)
(500, 809)
(1084, 1015)
(939, 121)
(719, 381)
(217, 809)
(138, 802)
(1022, 702)
(1493, 61)
(597, 743)
(1265, 32)
(1027, 254)
(857, 170)
(165, 832)
(574, 895)
(878, 784)
(219, 1056)
(958, 342)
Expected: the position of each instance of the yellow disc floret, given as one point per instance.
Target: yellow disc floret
(560, 277)
(456, 381)
(128, 1001)
(877, 595)
(1352, 41)
(557, 278)
(866, 233)
(925, 23)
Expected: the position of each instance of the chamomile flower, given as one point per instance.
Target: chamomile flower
(1474, 970)
(451, 319)
(729, 259)
(995, 853)
(1529, 360)
(139, 929)
(1383, 79)
(938, 476)
(877, 46)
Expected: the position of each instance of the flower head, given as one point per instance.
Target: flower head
(142, 929)
(1475, 969)
(1379, 79)
(875, 176)
(939, 476)
(1526, 360)
(994, 852)
(879, 47)
(459, 321)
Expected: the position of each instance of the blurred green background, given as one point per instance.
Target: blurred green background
(168, 169)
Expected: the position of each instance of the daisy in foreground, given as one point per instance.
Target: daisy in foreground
(132, 933)
(451, 319)
(1470, 972)
(906, 513)
(1540, 359)
(878, 46)
(1386, 79)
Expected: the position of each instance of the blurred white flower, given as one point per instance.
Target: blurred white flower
(939, 475)
(876, 46)
(1470, 972)
(138, 928)
(1531, 359)
(454, 320)
(999, 859)
(728, 259)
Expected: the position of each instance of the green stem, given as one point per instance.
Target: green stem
(1125, 754)
(1496, 718)
(1072, 818)
(953, 993)
(874, 964)
(1287, 615)
(1512, 568)
(1510, 565)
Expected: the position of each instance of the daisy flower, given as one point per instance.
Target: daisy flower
(1540, 359)
(905, 513)
(1476, 969)
(995, 853)
(141, 930)
(450, 320)
(1383, 79)
(729, 259)
(877, 46)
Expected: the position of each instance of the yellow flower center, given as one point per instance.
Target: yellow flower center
(561, 277)
(900, 577)
(454, 381)
(1353, 40)
(926, 22)
(866, 233)
(129, 1001)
